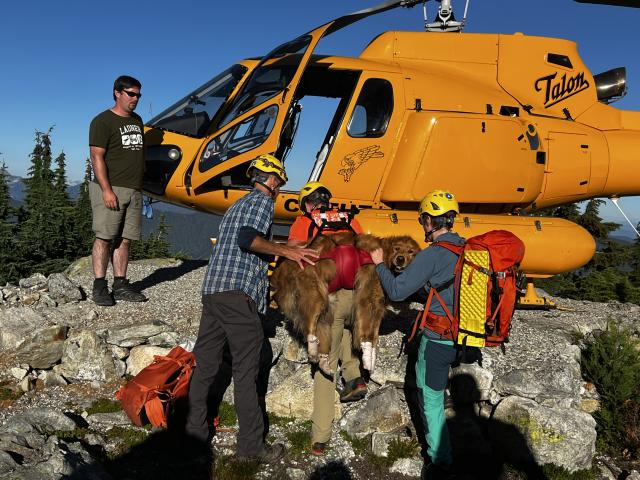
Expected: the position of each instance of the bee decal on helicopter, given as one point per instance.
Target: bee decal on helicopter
(561, 89)
(353, 161)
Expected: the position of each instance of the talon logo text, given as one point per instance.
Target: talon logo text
(559, 89)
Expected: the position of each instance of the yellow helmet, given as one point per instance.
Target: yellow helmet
(438, 202)
(309, 188)
(268, 164)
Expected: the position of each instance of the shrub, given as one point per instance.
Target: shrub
(611, 361)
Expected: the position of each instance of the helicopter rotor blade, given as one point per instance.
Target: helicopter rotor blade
(617, 3)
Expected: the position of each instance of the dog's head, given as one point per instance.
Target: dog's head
(399, 252)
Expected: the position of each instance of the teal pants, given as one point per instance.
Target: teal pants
(435, 356)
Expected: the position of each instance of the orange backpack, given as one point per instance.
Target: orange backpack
(485, 291)
(159, 389)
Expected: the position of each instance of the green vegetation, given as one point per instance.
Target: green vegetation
(104, 405)
(403, 448)
(554, 472)
(70, 436)
(612, 362)
(360, 445)
(127, 439)
(228, 468)
(8, 392)
(227, 414)
(49, 231)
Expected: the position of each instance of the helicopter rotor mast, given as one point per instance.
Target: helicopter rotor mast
(445, 20)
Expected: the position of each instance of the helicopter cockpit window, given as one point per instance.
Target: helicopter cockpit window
(373, 110)
(193, 114)
(272, 75)
(242, 137)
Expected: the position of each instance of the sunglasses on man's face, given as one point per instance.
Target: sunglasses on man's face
(132, 94)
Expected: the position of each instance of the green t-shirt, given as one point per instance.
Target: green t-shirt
(123, 140)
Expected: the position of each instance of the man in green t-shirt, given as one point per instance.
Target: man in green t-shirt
(116, 142)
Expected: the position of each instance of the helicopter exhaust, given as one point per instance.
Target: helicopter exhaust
(611, 85)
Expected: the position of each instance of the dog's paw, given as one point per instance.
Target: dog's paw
(323, 364)
(312, 347)
(368, 356)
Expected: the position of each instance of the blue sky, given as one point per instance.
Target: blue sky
(59, 59)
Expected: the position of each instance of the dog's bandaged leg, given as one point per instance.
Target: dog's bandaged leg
(324, 365)
(312, 347)
(368, 356)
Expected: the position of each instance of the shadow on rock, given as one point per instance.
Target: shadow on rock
(334, 470)
(167, 274)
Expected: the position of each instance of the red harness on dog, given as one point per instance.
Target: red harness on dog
(348, 260)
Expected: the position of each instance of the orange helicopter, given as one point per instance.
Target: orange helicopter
(509, 123)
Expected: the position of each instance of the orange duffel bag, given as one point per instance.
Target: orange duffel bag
(159, 390)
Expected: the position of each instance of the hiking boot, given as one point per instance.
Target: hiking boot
(270, 454)
(122, 290)
(353, 390)
(101, 295)
(318, 448)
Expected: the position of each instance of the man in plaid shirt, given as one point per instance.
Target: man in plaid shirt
(234, 292)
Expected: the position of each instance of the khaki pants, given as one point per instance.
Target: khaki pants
(323, 388)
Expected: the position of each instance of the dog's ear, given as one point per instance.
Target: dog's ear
(367, 242)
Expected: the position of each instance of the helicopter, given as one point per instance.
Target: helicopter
(509, 123)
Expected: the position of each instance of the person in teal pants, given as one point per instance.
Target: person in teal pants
(432, 267)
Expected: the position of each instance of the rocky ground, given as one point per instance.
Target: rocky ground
(62, 358)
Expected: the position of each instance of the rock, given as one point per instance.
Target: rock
(29, 298)
(86, 357)
(132, 335)
(44, 348)
(17, 325)
(165, 339)
(82, 266)
(28, 383)
(51, 379)
(37, 280)
(7, 463)
(473, 383)
(142, 356)
(296, 474)
(633, 475)
(109, 419)
(411, 467)
(41, 420)
(380, 442)
(382, 411)
(62, 289)
(292, 397)
(18, 373)
(389, 367)
(589, 405)
(119, 352)
(564, 437)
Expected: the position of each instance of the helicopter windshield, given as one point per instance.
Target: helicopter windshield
(193, 114)
(271, 76)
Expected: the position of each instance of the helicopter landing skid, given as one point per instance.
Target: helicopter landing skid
(532, 301)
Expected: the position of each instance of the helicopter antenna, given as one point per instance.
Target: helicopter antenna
(445, 20)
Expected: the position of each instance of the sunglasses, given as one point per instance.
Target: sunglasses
(132, 94)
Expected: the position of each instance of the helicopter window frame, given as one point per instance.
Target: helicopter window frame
(371, 95)
(252, 132)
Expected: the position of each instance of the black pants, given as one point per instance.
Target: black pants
(229, 317)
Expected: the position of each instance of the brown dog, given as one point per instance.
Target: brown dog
(303, 295)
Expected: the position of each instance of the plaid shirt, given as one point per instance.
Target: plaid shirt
(230, 267)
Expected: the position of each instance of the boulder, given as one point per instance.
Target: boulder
(132, 335)
(17, 324)
(564, 437)
(40, 420)
(43, 348)
(86, 357)
(142, 356)
(411, 467)
(293, 397)
(62, 289)
(35, 281)
(383, 411)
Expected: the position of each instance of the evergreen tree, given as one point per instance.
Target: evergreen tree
(592, 222)
(10, 262)
(570, 212)
(82, 217)
(155, 245)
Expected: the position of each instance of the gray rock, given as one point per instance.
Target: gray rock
(7, 463)
(380, 442)
(86, 358)
(119, 352)
(142, 356)
(165, 339)
(132, 335)
(109, 419)
(478, 386)
(382, 411)
(43, 349)
(41, 420)
(52, 379)
(18, 373)
(296, 474)
(37, 280)
(17, 325)
(564, 437)
(633, 475)
(292, 397)
(62, 289)
(411, 467)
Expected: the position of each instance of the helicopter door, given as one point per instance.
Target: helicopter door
(568, 168)
(254, 118)
(364, 142)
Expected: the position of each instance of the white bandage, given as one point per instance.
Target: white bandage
(323, 363)
(368, 355)
(312, 347)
